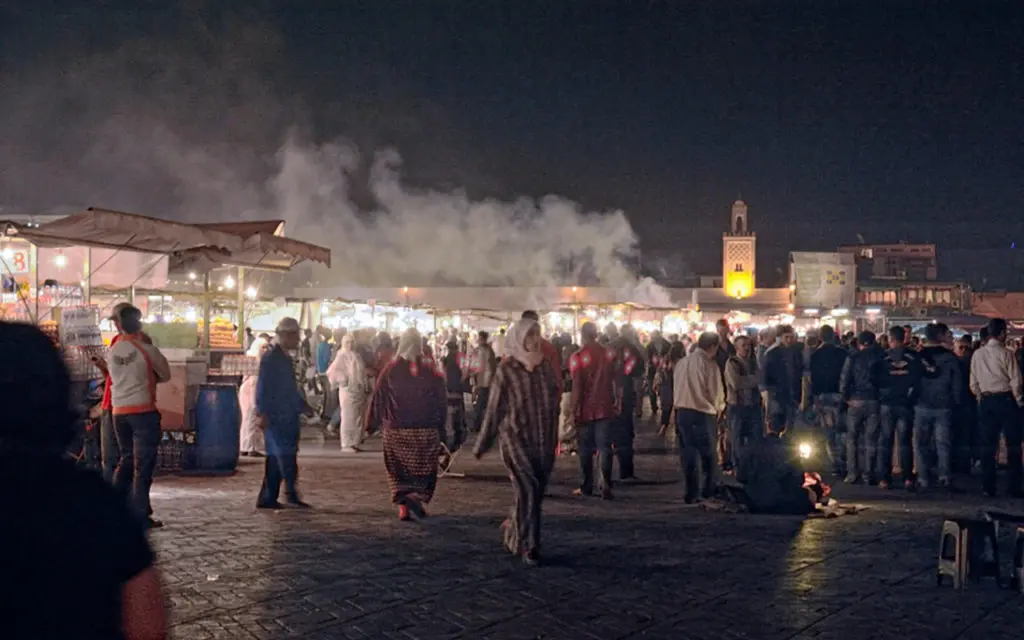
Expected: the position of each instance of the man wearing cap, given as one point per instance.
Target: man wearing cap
(108, 441)
(279, 404)
(134, 368)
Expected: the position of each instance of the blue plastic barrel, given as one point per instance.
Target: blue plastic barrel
(218, 421)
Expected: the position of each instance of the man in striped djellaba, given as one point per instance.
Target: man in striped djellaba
(409, 404)
(522, 416)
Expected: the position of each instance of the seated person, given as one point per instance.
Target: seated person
(773, 480)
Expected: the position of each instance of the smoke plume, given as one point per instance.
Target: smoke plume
(212, 130)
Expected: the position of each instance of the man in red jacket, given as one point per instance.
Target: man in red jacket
(595, 409)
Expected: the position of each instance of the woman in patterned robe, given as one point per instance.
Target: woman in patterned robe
(522, 415)
(409, 405)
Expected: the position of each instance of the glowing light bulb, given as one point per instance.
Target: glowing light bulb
(192, 275)
(190, 315)
(251, 293)
(229, 283)
(60, 260)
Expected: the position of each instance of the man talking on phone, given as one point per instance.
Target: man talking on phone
(134, 368)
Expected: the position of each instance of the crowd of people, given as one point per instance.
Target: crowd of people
(942, 405)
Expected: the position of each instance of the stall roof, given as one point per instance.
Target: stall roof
(200, 247)
(103, 228)
(265, 245)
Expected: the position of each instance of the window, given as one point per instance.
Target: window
(889, 298)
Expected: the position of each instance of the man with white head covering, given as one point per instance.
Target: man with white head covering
(279, 404)
(522, 415)
(347, 376)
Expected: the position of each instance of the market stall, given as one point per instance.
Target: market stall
(120, 254)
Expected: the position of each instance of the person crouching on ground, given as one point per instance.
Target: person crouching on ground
(522, 415)
(774, 482)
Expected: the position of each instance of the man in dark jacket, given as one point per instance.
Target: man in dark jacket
(630, 362)
(965, 415)
(859, 386)
(900, 377)
(657, 351)
(826, 368)
(940, 390)
(782, 376)
(743, 401)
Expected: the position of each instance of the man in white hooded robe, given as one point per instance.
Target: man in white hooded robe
(347, 374)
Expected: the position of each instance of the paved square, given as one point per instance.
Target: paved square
(642, 566)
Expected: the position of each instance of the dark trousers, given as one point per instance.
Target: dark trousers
(744, 424)
(483, 394)
(666, 404)
(138, 438)
(652, 393)
(897, 425)
(831, 420)
(998, 414)
(109, 451)
(861, 437)
(965, 428)
(596, 437)
(696, 433)
(625, 432)
(454, 432)
(278, 468)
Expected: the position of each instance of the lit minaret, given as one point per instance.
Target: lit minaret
(739, 247)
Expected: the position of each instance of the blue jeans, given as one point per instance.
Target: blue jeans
(781, 413)
(596, 437)
(138, 439)
(745, 429)
(861, 437)
(896, 425)
(828, 407)
(933, 442)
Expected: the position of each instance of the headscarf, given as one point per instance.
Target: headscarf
(515, 345)
(348, 342)
(410, 346)
(257, 347)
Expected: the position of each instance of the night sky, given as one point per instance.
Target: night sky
(892, 120)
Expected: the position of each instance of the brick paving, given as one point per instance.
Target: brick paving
(643, 566)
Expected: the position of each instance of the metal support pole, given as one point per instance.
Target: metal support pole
(207, 308)
(241, 306)
(87, 294)
(34, 253)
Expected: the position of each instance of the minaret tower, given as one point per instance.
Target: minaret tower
(739, 247)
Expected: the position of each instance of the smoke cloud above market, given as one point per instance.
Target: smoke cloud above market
(209, 133)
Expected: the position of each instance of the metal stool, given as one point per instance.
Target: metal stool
(445, 462)
(962, 549)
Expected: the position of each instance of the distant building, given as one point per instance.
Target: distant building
(900, 261)
(902, 281)
(739, 250)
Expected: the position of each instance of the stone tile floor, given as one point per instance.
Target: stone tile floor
(642, 566)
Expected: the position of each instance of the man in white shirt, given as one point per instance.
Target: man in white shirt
(699, 400)
(135, 367)
(996, 382)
